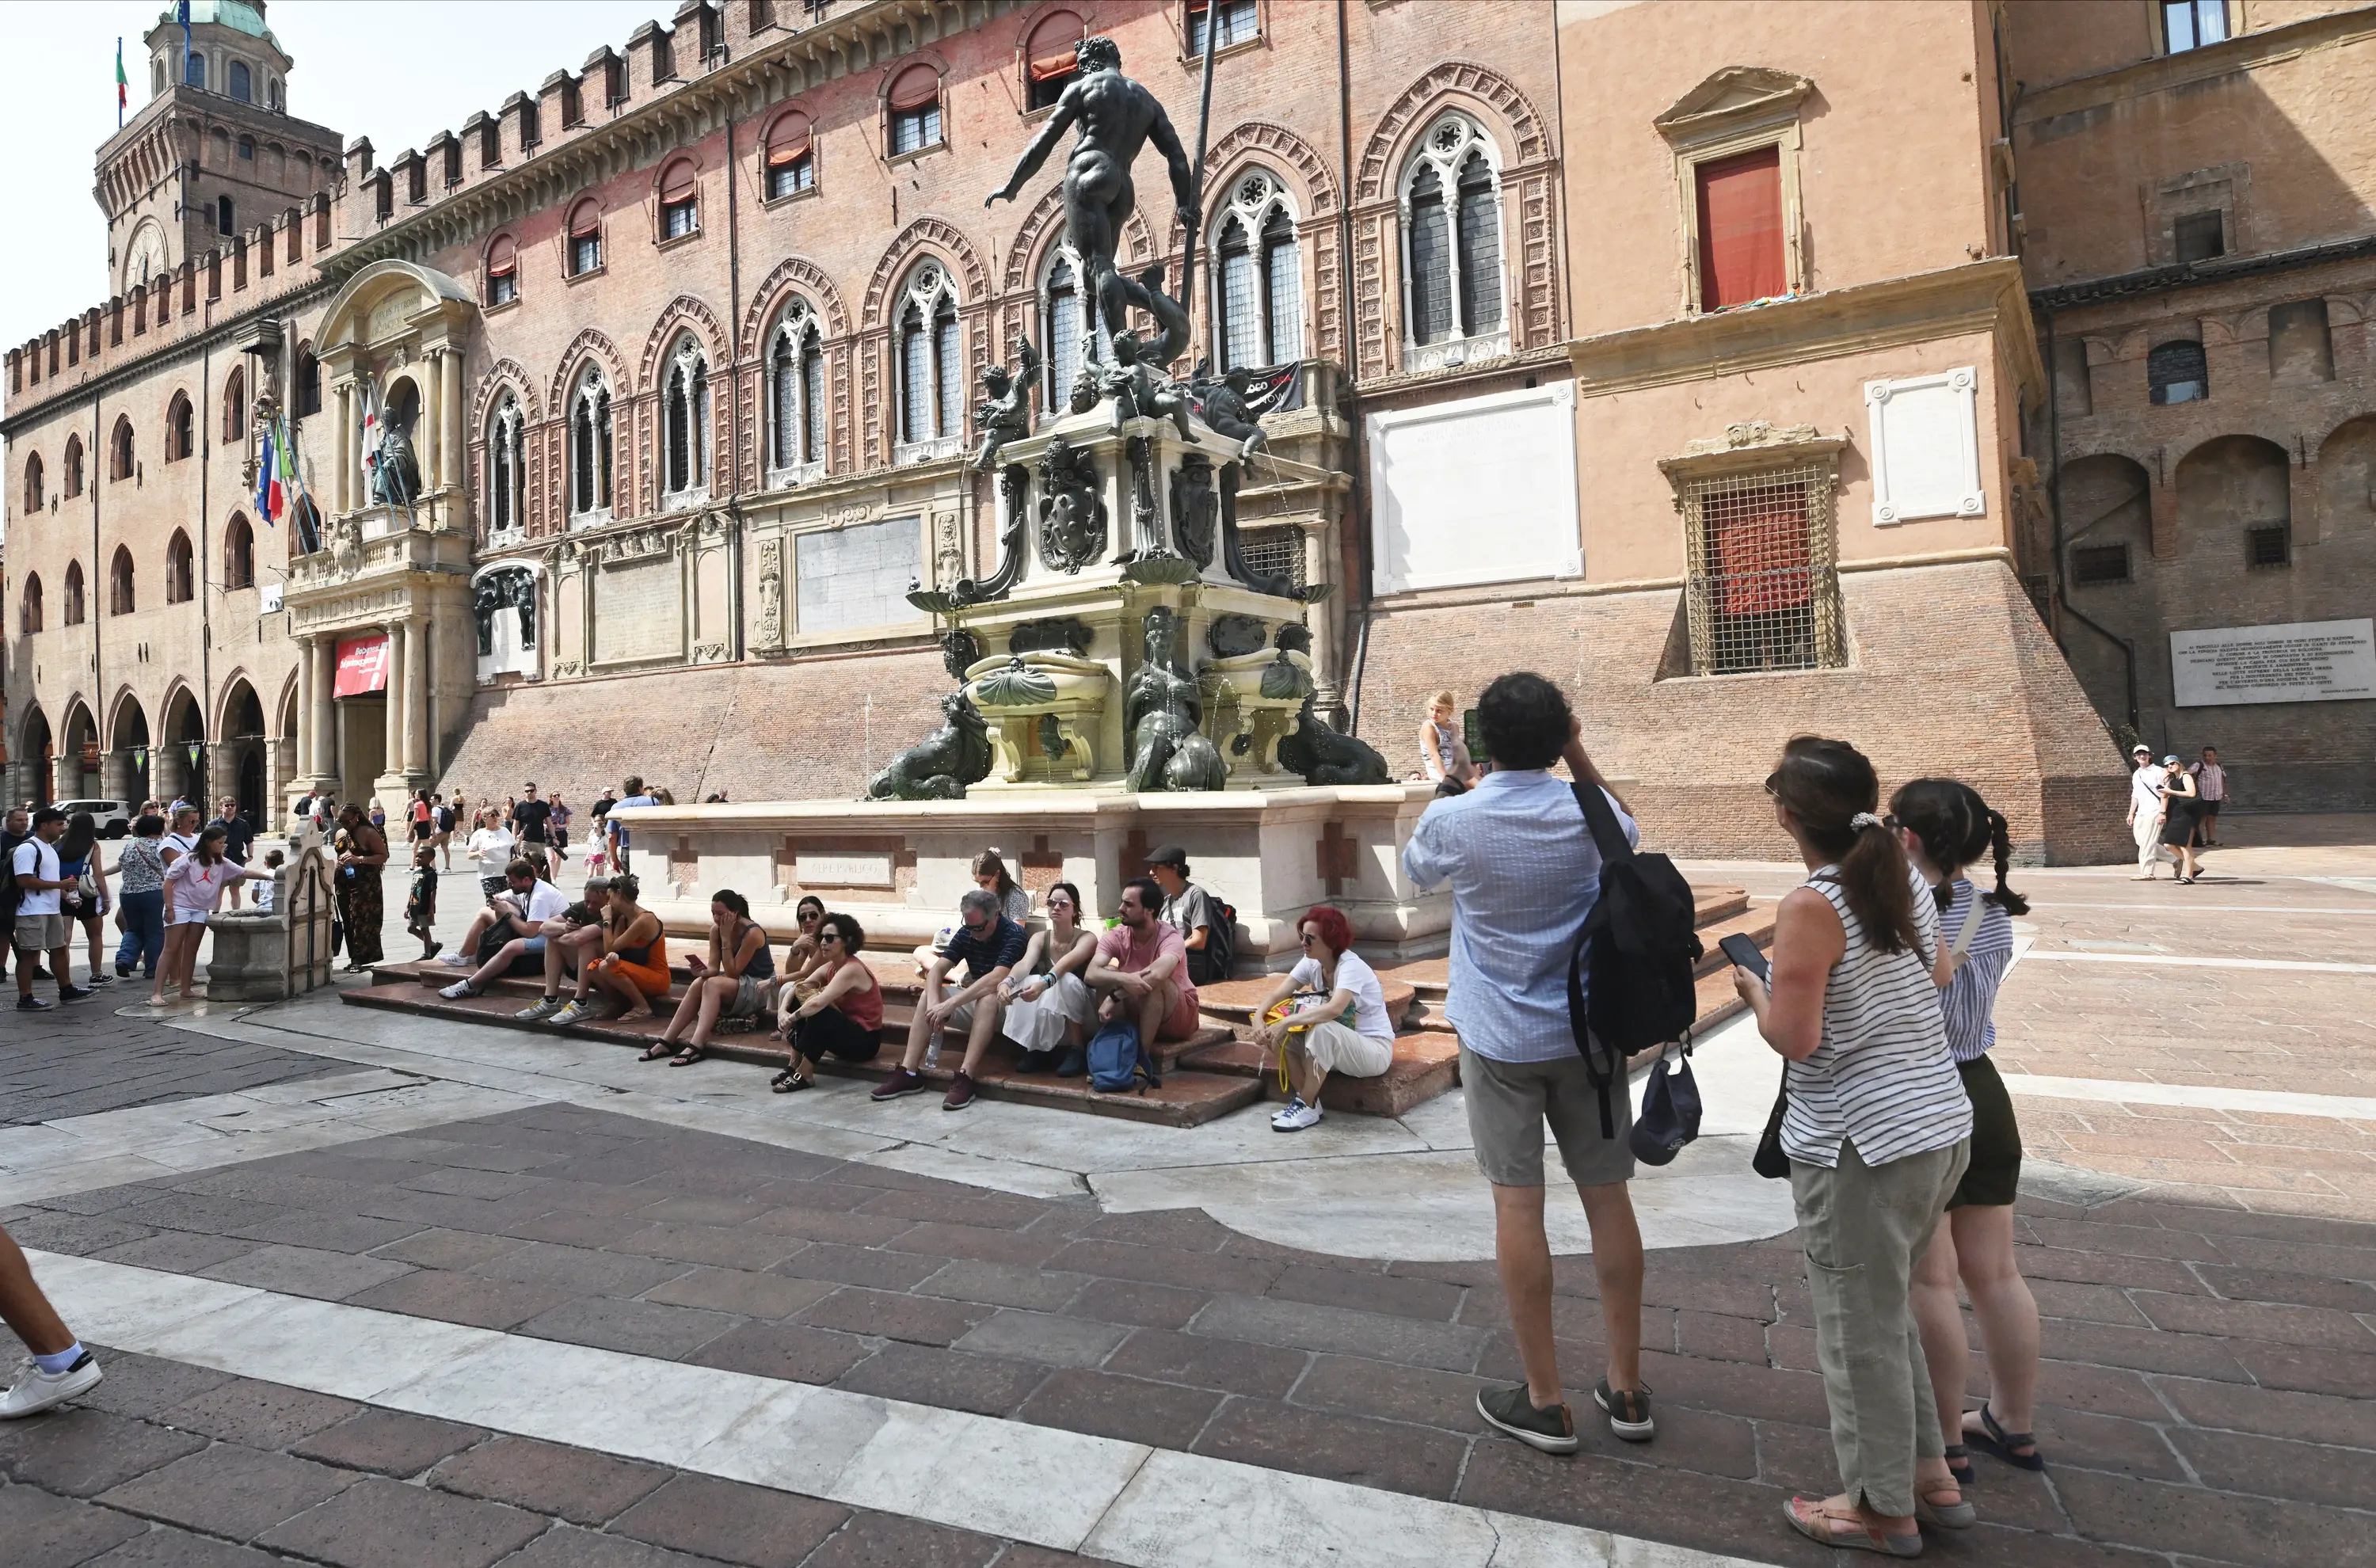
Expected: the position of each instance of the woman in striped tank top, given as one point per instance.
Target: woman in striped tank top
(1878, 1132)
(1947, 828)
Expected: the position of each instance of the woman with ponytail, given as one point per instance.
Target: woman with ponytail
(1877, 1128)
(1947, 826)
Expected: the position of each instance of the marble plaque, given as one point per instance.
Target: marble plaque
(2303, 662)
(843, 870)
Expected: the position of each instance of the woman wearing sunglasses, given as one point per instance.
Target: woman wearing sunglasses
(845, 1017)
(1048, 1004)
(1312, 1035)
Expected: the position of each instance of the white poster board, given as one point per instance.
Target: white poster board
(1480, 490)
(2301, 661)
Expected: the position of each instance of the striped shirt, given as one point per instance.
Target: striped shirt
(1882, 1079)
(1969, 1002)
(1525, 873)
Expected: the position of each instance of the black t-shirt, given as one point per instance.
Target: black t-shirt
(237, 838)
(530, 817)
(602, 807)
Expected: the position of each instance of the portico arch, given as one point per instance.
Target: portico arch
(76, 776)
(128, 746)
(179, 767)
(33, 768)
(239, 767)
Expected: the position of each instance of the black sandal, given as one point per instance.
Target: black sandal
(658, 1049)
(2000, 1444)
(1959, 1464)
(689, 1055)
(785, 1083)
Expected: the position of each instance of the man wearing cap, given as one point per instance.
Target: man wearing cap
(1188, 910)
(2145, 811)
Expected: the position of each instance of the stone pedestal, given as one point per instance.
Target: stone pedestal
(270, 955)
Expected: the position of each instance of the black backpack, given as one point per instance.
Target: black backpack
(1639, 945)
(1212, 965)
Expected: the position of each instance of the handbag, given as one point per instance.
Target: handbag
(1670, 1116)
(1287, 1005)
(1770, 1161)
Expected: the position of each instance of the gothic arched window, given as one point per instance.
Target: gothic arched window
(684, 424)
(589, 450)
(1452, 238)
(932, 375)
(1257, 277)
(74, 607)
(1061, 325)
(239, 554)
(795, 390)
(180, 586)
(506, 470)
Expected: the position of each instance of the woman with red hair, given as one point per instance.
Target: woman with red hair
(1335, 1020)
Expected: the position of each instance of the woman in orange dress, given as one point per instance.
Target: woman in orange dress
(634, 966)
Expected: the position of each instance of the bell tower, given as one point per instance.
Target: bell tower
(214, 153)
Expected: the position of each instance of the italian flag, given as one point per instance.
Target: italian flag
(123, 83)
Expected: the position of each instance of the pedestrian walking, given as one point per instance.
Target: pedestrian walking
(140, 906)
(1878, 1129)
(2145, 812)
(421, 902)
(1948, 828)
(15, 829)
(42, 926)
(85, 901)
(57, 1368)
(2178, 804)
(1525, 874)
(2211, 790)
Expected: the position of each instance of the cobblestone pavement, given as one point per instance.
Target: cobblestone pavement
(2209, 1293)
(84, 1058)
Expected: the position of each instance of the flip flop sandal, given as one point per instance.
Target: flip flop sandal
(1959, 1464)
(2000, 1444)
(1858, 1536)
(689, 1056)
(663, 1048)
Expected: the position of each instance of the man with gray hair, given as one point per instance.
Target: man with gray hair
(987, 945)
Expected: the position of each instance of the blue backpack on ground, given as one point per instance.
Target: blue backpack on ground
(1118, 1061)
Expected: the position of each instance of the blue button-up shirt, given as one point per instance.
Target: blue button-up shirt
(1525, 873)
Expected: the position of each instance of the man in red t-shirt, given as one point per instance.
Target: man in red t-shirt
(1142, 965)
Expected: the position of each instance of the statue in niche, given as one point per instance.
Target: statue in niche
(1192, 507)
(1072, 513)
(486, 598)
(1161, 714)
(523, 599)
(1117, 118)
(948, 760)
(394, 472)
(499, 591)
(1005, 414)
(1317, 753)
(1140, 391)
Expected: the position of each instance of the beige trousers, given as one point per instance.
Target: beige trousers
(1863, 1228)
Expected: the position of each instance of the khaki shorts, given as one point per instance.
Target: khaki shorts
(41, 933)
(1509, 1102)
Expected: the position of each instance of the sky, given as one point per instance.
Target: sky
(397, 72)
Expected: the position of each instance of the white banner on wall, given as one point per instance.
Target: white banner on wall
(2302, 661)
(1480, 490)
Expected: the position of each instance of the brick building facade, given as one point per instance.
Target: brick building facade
(685, 344)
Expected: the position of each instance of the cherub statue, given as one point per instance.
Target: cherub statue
(1005, 414)
(1138, 388)
(1161, 712)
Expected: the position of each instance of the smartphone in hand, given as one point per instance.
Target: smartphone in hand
(1742, 950)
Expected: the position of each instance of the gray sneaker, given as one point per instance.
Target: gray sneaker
(1628, 1410)
(458, 990)
(577, 1012)
(541, 1011)
(1553, 1430)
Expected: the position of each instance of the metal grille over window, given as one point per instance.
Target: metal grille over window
(1277, 552)
(1764, 591)
(2271, 545)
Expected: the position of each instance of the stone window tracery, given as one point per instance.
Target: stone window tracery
(931, 372)
(506, 470)
(590, 451)
(1061, 325)
(685, 426)
(1452, 294)
(1257, 277)
(796, 396)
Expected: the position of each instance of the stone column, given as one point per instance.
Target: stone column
(416, 696)
(449, 447)
(325, 713)
(341, 479)
(429, 424)
(394, 752)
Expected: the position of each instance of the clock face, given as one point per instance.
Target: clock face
(145, 258)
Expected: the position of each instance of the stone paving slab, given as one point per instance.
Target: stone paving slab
(2223, 1357)
(85, 1057)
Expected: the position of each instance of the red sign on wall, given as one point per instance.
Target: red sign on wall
(362, 666)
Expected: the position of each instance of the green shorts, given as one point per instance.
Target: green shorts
(1995, 1173)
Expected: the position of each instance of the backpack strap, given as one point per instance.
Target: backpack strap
(1607, 835)
(1600, 1067)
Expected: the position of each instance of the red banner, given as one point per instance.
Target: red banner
(362, 666)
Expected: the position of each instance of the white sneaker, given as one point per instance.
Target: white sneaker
(458, 990)
(35, 1390)
(1296, 1117)
(458, 961)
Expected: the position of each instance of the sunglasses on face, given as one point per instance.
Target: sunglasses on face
(811, 918)
(1309, 939)
(824, 937)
